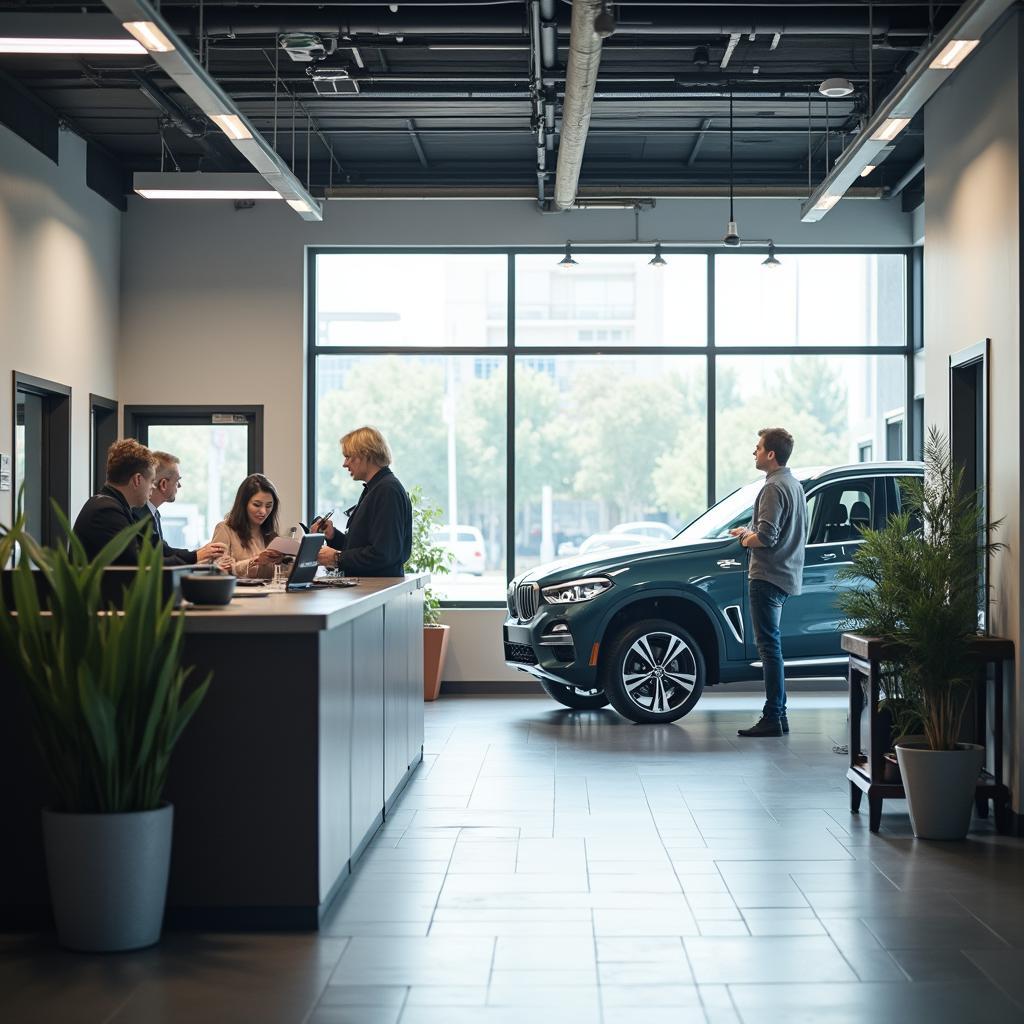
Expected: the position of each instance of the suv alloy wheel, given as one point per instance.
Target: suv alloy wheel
(574, 697)
(653, 671)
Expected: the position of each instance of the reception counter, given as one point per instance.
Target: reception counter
(311, 727)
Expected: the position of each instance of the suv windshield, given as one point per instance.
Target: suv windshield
(735, 510)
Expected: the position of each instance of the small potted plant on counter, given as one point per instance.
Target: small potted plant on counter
(919, 589)
(106, 694)
(428, 556)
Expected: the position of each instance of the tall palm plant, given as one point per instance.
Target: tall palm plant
(105, 687)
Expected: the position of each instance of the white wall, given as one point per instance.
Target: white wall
(972, 291)
(60, 250)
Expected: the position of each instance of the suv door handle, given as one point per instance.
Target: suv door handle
(731, 563)
(828, 556)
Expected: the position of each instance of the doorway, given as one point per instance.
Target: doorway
(219, 446)
(42, 453)
(968, 435)
(102, 434)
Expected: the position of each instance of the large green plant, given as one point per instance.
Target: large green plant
(427, 555)
(105, 688)
(918, 584)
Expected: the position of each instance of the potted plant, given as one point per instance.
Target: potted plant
(105, 692)
(919, 589)
(428, 556)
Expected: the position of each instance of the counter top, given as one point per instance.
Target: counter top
(300, 611)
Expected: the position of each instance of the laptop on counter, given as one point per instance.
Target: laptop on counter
(305, 565)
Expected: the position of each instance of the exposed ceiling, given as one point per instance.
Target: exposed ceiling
(421, 95)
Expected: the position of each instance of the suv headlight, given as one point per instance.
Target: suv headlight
(575, 591)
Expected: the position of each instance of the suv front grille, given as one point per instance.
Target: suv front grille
(521, 653)
(527, 595)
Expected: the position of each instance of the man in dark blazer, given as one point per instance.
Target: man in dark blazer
(131, 470)
(165, 489)
(379, 536)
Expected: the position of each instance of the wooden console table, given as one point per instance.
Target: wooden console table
(867, 771)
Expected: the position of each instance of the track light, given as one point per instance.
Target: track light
(771, 261)
(658, 260)
(567, 260)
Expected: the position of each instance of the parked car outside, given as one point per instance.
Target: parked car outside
(623, 535)
(648, 528)
(466, 544)
(647, 629)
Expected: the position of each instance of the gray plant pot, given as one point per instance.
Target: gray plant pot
(940, 788)
(108, 877)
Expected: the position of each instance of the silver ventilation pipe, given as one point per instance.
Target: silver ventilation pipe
(580, 82)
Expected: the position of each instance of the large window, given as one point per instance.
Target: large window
(632, 403)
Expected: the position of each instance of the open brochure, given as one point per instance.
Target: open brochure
(286, 545)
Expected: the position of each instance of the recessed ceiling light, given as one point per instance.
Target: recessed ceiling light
(150, 36)
(891, 127)
(13, 44)
(231, 125)
(953, 54)
(826, 202)
(836, 88)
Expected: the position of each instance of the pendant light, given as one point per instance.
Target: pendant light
(659, 260)
(732, 234)
(771, 261)
(567, 260)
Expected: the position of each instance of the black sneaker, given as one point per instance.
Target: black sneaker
(765, 727)
(784, 722)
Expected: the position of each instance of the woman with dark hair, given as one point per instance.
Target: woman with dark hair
(249, 527)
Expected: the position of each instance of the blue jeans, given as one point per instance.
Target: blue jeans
(766, 601)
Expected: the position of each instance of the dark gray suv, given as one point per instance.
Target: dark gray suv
(646, 630)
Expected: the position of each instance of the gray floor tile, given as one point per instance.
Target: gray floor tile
(777, 959)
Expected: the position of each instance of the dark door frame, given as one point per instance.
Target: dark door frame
(968, 418)
(56, 446)
(97, 451)
(139, 418)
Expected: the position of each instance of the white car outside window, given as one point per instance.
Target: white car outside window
(466, 544)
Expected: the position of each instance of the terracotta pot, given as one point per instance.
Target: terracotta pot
(435, 647)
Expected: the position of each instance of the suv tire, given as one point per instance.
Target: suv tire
(573, 697)
(653, 671)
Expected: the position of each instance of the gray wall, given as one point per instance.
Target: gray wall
(972, 291)
(60, 252)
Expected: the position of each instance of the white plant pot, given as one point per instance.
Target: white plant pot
(108, 877)
(940, 788)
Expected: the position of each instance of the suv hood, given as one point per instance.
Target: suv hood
(606, 563)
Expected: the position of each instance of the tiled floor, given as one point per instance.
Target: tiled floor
(548, 865)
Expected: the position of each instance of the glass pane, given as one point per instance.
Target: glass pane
(403, 299)
(214, 461)
(610, 452)
(834, 406)
(611, 300)
(444, 417)
(815, 299)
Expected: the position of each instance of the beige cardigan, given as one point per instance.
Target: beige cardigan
(243, 555)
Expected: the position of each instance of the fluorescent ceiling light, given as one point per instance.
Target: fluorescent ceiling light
(12, 44)
(231, 125)
(201, 185)
(890, 128)
(299, 205)
(867, 170)
(826, 202)
(150, 36)
(953, 54)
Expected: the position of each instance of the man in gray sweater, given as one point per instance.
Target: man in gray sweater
(775, 539)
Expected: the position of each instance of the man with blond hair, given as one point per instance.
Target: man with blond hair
(165, 489)
(378, 540)
(131, 469)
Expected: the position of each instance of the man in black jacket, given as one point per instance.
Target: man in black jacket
(165, 489)
(379, 536)
(131, 470)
